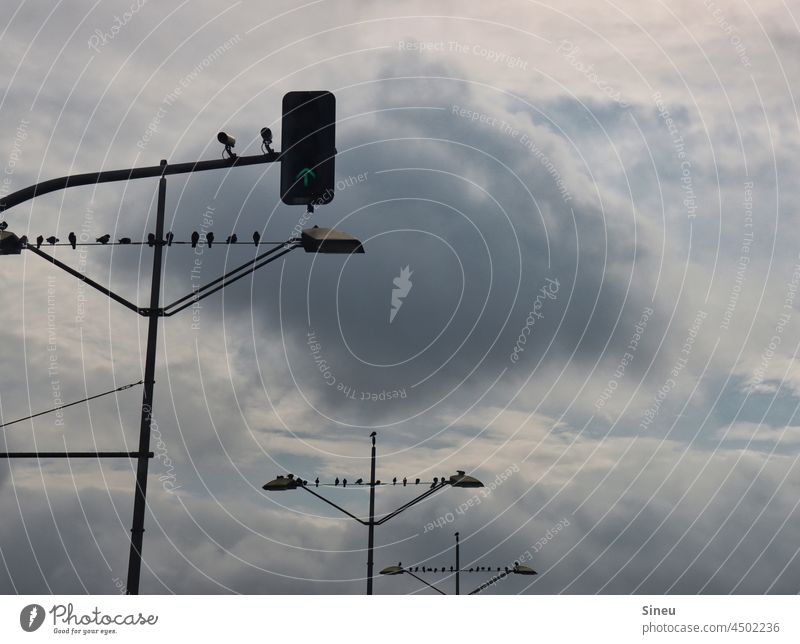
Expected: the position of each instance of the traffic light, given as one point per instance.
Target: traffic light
(308, 142)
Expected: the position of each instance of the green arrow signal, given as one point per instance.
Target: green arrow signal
(304, 174)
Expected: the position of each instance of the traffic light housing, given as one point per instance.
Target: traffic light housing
(308, 142)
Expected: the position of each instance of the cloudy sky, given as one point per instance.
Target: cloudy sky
(595, 204)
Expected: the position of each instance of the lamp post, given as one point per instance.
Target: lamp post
(290, 482)
(312, 240)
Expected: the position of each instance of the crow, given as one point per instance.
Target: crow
(73, 240)
(104, 239)
(52, 240)
(170, 237)
(210, 239)
(195, 239)
(39, 241)
(256, 238)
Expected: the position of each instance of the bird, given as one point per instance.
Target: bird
(344, 482)
(195, 239)
(435, 570)
(435, 481)
(125, 240)
(417, 482)
(405, 480)
(336, 482)
(377, 482)
(316, 482)
(73, 240)
(23, 240)
(151, 239)
(170, 237)
(52, 240)
(256, 238)
(3, 225)
(451, 569)
(394, 481)
(210, 239)
(39, 241)
(232, 239)
(104, 239)
(359, 481)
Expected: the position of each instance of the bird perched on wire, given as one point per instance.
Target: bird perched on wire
(104, 239)
(232, 239)
(336, 482)
(344, 482)
(73, 240)
(435, 481)
(23, 240)
(195, 239)
(3, 225)
(125, 240)
(151, 239)
(405, 480)
(256, 238)
(359, 481)
(52, 240)
(377, 482)
(39, 241)
(394, 481)
(210, 239)
(170, 237)
(417, 482)
(316, 482)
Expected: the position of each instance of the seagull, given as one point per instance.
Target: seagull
(125, 240)
(151, 239)
(104, 239)
(170, 237)
(359, 481)
(3, 225)
(232, 239)
(52, 240)
(316, 483)
(336, 482)
(210, 239)
(39, 241)
(195, 239)
(256, 238)
(72, 240)
(405, 480)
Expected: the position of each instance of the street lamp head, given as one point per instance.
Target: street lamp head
(329, 240)
(10, 244)
(281, 483)
(461, 479)
(393, 570)
(519, 569)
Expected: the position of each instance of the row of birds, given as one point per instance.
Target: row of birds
(404, 481)
(151, 239)
(452, 569)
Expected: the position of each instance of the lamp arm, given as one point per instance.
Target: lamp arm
(421, 497)
(491, 581)
(331, 503)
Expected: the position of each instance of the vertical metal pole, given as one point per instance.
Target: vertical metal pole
(371, 517)
(458, 568)
(139, 505)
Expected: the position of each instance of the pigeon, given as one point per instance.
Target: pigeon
(170, 237)
(316, 482)
(210, 239)
(125, 240)
(3, 225)
(52, 240)
(336, 482)
(104, 239)
(359, 481)
(151, 239)
(232, 239)
(73, 240)
(394, 481)
(344, 482)
(39, 241)
(195, 239)
(256, 238)
(405, 480)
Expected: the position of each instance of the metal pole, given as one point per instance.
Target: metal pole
(458, 567)
(371, 523)
(137, 531)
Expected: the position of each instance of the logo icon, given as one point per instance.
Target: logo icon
(31, 617)
(402, 288)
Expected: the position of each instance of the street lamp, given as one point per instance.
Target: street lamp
(311, 240)
(290, 482)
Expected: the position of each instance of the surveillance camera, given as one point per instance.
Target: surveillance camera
(266, 134)
(226, 139)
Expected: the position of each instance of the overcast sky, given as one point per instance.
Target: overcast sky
(595, 205)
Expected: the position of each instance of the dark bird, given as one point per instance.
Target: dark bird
(210, 239)
(452, 569)
(506, 568)
(394, 481)
(405, 480)
(73, 240)
(104, 239)
(170, 237)
(23, 240)
(417, 482)
(256, 238)
(359, 481)
(435, 481)
(3, 225)
(435, 570)
(125, 240)
(151, 239)
(195, 239)
(52, 240)
(316, 482)
(344, 482)
(39, 241)
(377, 482)
(336, 482)
(232, 239)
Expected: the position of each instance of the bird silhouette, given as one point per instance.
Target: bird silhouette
(416, 482)
(151, 239)
(377, 482)
(170, 237)
(39, 241)
(23, 240)
(3, 225)
(73, 240)
(125, 240)
(435, 481)
(210, 239)
(256, 238)
(405, 480)
(336, 482)
(52, 240)
(195, 239)
(435, 570)
(359, 481)
(344, 482)
(104, 239)
(232, 239)
(451, 569)
(316, 482)
(394, 481)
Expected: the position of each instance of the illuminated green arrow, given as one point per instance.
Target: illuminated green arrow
(304, 174)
